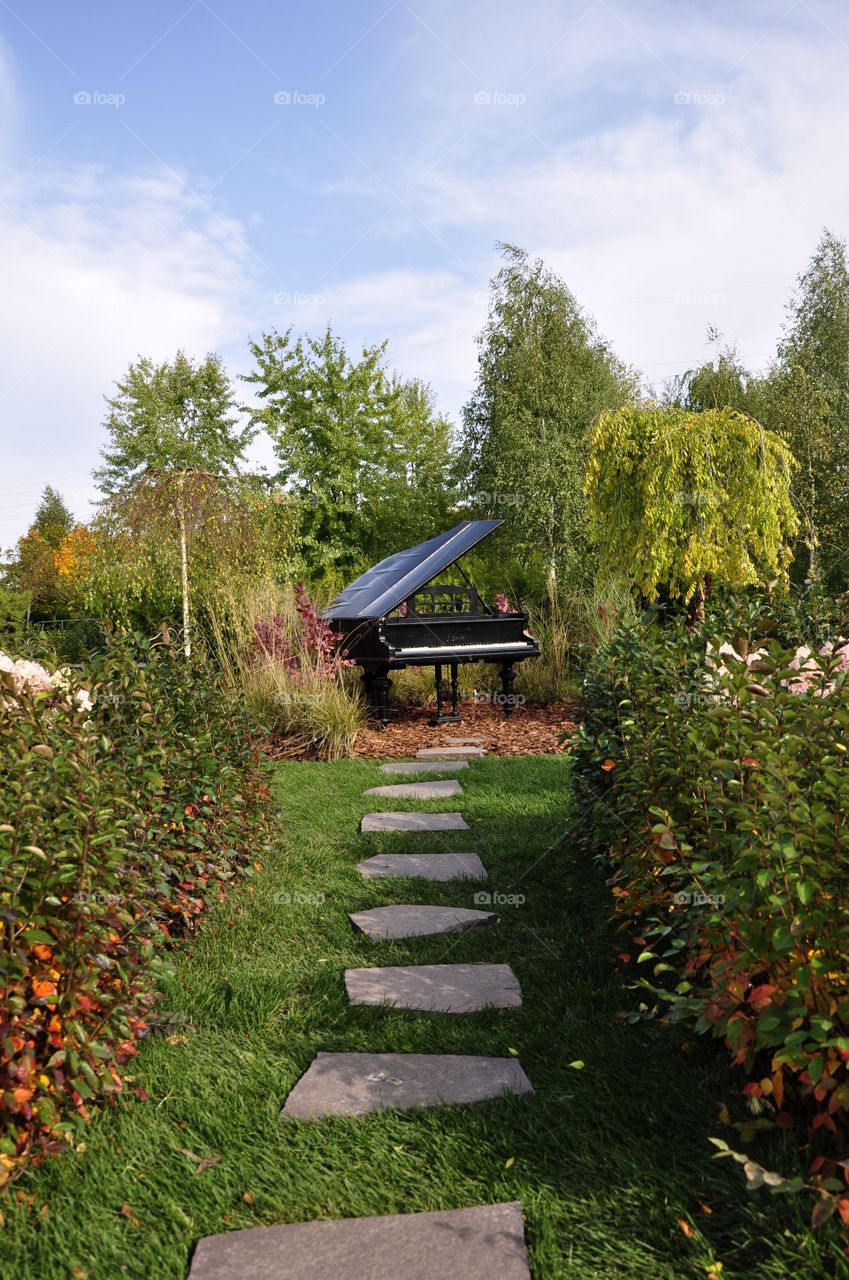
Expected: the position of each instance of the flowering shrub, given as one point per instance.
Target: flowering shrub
(502, 604)
(35, 679)
(120, 821)
(719, 786)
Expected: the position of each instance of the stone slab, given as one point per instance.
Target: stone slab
(424, 866)
(436, 988)
(353, 1084)
(483, 1243)
(448, 753)
(439, 789)
(410, 921)
(423, 766)
(398, 821)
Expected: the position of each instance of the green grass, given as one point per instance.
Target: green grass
(603, 1158)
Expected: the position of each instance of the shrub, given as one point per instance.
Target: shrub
(720, 803)
(125, 807)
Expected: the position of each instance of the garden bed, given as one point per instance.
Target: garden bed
(532, 729)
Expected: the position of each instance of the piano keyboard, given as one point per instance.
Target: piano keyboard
(458, 648)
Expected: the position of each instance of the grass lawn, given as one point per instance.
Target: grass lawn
(603, 1158)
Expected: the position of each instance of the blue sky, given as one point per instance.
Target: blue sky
(189, 174)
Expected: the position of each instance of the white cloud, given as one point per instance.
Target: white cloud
(98, 270)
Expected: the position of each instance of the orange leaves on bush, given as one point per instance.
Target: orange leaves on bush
(43, 988)
(608, 764)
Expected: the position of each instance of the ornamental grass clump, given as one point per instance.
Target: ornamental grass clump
(294, 678)
(715, 763)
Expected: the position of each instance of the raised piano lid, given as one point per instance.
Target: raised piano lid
(382, 588)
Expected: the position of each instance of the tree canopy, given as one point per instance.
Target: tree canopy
(171, 417)
(367, 454)
(544, 374)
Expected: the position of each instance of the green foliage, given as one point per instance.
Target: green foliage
(808, 402)
(543, 376)
(53, 520)
(14, 609)
(173, 441)
(367, 456)
(718, 793)
(677, 498)
(119, 823)
(171, 417)
(722, 383)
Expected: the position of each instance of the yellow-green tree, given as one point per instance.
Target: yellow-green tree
(678, 499)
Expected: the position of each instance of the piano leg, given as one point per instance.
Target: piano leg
(382, 685)
(508, 675)
(440, 717)
(376, 685)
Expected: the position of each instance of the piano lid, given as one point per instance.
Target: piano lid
(382, 588)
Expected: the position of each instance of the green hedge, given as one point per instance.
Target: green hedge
(119, 824)
(718, 798)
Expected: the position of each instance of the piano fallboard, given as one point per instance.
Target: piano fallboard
(430, 638)
(427, 639)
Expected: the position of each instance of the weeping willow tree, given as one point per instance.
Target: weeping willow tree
(678, 500)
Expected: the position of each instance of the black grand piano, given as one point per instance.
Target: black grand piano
(395, 616)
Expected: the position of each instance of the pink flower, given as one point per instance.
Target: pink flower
(27, 675)
(502, 604)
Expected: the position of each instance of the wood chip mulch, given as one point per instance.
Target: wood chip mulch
(533, 729)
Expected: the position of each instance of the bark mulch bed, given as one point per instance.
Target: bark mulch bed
(533, 729)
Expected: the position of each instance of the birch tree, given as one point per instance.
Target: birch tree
(172, 429)
(544, 373)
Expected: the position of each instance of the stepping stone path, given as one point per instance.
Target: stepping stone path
(418, 790)
(436, 988)
(423, 866)
(423, 766)
(418, 922)
(353, 1084)
(485, 1243)
(413, 822)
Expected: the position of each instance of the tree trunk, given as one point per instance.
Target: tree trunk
(184, 565)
